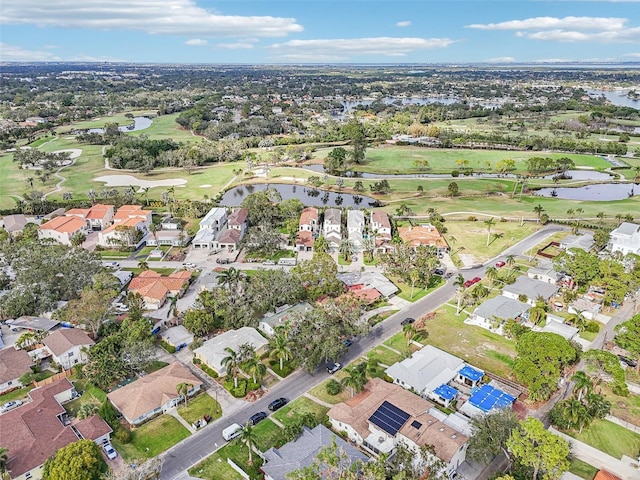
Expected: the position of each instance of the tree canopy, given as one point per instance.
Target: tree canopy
(81, 460)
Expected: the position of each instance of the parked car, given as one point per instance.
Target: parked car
(475, 280)
(121, 307)
(10, 405)
(500, 264)
(257, 417)
(189, 265)
(109, 451)
(439, 271)
(277, 404)
(223, 260)
(407, 321)
(628, 361)
(231, 432)
(333, 368)
(268, 262)
(112, 265)
(347, 343)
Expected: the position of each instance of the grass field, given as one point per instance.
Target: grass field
(200, 406)
(582, 469)
(625, 408)
(269, 435)
(152, 438)
(294, 411)
(610, 438)
(215, 467)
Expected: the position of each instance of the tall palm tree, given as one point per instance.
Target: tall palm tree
(4, 458)
(539, 210)
(510, 261)
(537, 315)
(153, 228)
(601, 216)
(459, 283)
(414, 276)
(279, 348)
(492, 274)
(489, 223)
(183, 389)
(249, 438)
(254, 367)
(583, 382)
(368, 246)
(230, 278)
(409, 332)
(577, 320)
(231, 363)
(173, 306)
(143, 265)
(345, 248)
(355, 379)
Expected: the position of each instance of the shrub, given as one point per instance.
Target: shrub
(472, 218)
(238, 392)
(334, 387)
(109, 414)
(592, 326)
(167, 347)
(197, 361)
(87, 410)
(208, 370)
(123, 435)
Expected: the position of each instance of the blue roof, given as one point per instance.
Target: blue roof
(487, 398)
(389, 418)
(471, 373)
(445, 391)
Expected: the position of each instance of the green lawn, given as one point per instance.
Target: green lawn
(287, 367)
(18, 394)
(610, 438)
(215, 467)
(113, 254)
(583, 469)
(200, 406)
(399, 342)
(292, 412)
(269, 435)
(89, 393)
(418, 293)
(384, 355)
(379, 317)
(625, 408)
(153, 438)
(320, 392)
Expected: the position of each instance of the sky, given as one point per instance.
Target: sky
(320, 31)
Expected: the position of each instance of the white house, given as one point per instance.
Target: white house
(355, 228)
(625, 239)
(210, 227)
(130, 227)
(381, 230)
(62, 229)
(212, 352)
(495, 311)
(332, 227)
(545, 273)
(531, 289)
(66, 346)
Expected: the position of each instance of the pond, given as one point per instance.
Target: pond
(139, 123)
(595, 193)
(616, 97)
(312, 197)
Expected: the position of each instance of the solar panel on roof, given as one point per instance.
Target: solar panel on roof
(389, 418)
(416, 424)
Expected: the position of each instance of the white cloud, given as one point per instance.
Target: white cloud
(14, 53)
(553, 60)
(500, 60)
(542, 23)
(632, 55)
(319, 50)
(405, 23)
(197, 42)
(630, 35)
(162, 17)
(235, 46)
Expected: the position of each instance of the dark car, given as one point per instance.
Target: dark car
(277, 404)
(628, 361)
(347, 343)
(439, 271)
(257, 417)
(407, 321)
(333, 367)
(223, 260)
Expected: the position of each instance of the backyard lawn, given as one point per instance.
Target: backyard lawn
(200, 406)
(215, 467)
(152, 438)
(89, 393)
(610, 438)
(582, 469)
(291, 413)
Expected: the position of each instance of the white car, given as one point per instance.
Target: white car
(10, 405)
(121, 307)
(112, 265)
(109, 451)
(189, 265)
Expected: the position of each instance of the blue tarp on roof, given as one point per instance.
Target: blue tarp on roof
(445, 391)
(471, 373)
(487, 398)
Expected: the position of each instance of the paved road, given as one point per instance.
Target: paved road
(198, 446)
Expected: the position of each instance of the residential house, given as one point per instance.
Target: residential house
(210, 226)
(556, 324)
(309, 221)
(130, 227)
(169, 237)
(587, 308)
(169, 223)
(62, 229)
(355, 228)
(178, 337)
(494, 312)
(381, 230)
(271, 321)
(384, 414)
(212, 352)
(305, 241)
(13, 364)
(98, 216)
(33, 324)
(303, 451)
(530, 289)
(484, 399)
(429, 371)
(368, 280)
(154, 288)
(38, 429)
(153, 394)
(239, 220)
(545, 273)
(123, 276)
(625, 239)
(229, 239)
(582, 242)
(332, 227)
(14, 224)
(424, 235)
(67, 346)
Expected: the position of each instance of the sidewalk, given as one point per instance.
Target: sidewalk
(174, 413)
(622, 423)
(599, 459)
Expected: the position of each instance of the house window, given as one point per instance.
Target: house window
(27, 475)
(70, 354)
(9, 382)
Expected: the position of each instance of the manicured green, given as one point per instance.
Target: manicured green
(291, 413)
(384, 355)
(18, 394)
(200, 406)
(269, 435)
(610, 438)
(153, 438)
(583, 469)
(287, 367)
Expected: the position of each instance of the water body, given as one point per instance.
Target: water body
(312, 197)
(595, 193)
(616, 97)
(350, 104)
(139, 123)
(574, 174)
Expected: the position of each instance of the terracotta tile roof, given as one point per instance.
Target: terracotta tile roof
(151, 284)
(92, 427)
(13, 364)
(305, 238)
(604, 475)
(416, 236)
(151, 391)
(357, 410)
(229, 236)
(128, 211)
(129, 222)
(65, 339)
(78, 211)
(307, 215)
(33, 432)
(238, 217)
(64, 224)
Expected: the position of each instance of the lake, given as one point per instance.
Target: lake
(595, 193)
(616, 97)
(139, 123)
(312, 197)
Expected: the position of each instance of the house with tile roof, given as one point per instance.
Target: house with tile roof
(239, 220)
(36, 430)
(62, 229)
(303, 451)
(229, 239)
(155, 288)
(309, 221)
(383, 415)
(130, 227)
(381, 230)
(305, 241)
(424, 235)
(98, 216)
(67, 346)
(154, 393)
(13, 364)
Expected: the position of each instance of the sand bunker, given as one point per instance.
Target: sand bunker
(206, 185)
(73, 152)
(128, 180)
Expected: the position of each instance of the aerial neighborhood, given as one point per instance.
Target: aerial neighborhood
(326, 283)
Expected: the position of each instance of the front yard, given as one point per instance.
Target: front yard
(625, 408)
(200, 406)
(406, 291)
(152, 438)
(294, 411)
(18, 394)
(215, 467)
(610, 438)
(320, 392)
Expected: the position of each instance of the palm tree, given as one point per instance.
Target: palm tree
(492, 274)
(577, 320)
(510, 261)
(173, 306)
(601, 216)
(345, 249)
(183, 389)
(279, 348)
(497, 236)
(321, 245)
(249, 438)
(153, 228)
(254, 367)
(409, 332)
(230, 278)
(459, 282)
(4, 458)
(143, 265)
(583, 383)
(539, 210)
(579, 211)
(145, 193)
(571, 212)
(92, 195)
(368, 246)
(355, 379)
(414, 276)
(231, 363)
(489, 223)
(537, 315)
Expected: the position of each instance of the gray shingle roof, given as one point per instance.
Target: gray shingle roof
(531, 288)
(501, 307)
